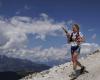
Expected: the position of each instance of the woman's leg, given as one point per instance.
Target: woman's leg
(78, 52)
(76, 63)
(79, 64)
(74, 60)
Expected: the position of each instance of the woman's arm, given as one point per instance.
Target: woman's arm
(67, 34)
(81, 39)
(65, 30)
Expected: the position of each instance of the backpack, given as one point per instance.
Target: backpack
(70, 38)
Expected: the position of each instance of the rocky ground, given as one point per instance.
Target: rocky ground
(62, 72)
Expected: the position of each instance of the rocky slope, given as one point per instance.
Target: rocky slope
(61, 72)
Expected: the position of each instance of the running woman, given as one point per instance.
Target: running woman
(75, 38)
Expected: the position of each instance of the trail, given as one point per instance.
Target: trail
(61, 72)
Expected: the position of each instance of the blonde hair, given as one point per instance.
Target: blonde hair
(77, 26)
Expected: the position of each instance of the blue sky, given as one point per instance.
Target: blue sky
(84, 12)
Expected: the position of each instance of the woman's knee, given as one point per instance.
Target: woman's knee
(74, 59)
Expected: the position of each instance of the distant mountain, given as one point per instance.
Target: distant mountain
(16, 64)
(19, 67)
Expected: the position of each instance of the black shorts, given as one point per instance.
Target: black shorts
(75, 49)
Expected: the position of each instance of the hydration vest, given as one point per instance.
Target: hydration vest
(71, 40)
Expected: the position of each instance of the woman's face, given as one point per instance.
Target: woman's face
(74, 29)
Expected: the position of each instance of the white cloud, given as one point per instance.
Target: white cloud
(26, 7)
(18, 12)
(50, 56)
(88, 48)
(91, 29)
(16, 28)
(13, 39)
(40, 27)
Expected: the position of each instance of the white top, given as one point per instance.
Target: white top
(74, 43)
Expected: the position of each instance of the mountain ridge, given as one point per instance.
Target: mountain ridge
(63, 71)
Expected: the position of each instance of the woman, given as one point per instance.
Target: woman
(75, 38)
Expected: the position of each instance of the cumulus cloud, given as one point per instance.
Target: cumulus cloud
(88, 48)
(16, 28)
(13, 39)
(41, 27)
(50, 56)
(13, 36)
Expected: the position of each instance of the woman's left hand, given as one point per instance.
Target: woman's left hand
(79, 39)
